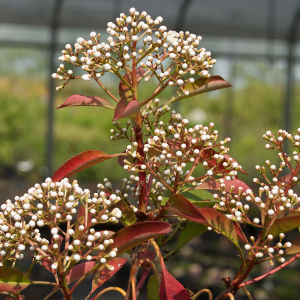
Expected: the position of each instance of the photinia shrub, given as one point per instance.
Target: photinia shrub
(161, 198)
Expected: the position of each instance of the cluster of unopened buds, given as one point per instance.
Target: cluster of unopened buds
(50, 204)
(267, 249)
(97, 57)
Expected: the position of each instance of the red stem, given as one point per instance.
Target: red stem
(269, 273)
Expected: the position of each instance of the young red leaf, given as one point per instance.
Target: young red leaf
(220, 222)
(284, 225)
(212, 184)
(80, 100)
(124, 91)
(8, 298)
(185, 209)
(170, 288)
(47, 264)
(103, 273)
(79, 270)
(12, 280)
(80, 162)
(200, 86)
(126, 109)
(295, 249)
(207, 216)
(132, 235)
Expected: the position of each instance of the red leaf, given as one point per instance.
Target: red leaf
(126, 110)
(207, 216)
(47, 264)
(80, 162)
(124, 92)
(12, 280)
(185, 209)
(79, 270)
(214, 185)
(132, 235)
(80, 100)
(170, 288)
(200, 86)
(103, 273)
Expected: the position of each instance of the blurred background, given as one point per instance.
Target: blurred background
(256, 44)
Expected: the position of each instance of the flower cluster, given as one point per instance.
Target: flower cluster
(157, 45)
(50, 204)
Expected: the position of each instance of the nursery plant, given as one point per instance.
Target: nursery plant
(161, 199)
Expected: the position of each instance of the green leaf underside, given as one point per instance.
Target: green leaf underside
(207, 216)
(12, 280)
(189, 232)
(128, 216)
(198, 195)
(153, 288)
(284, 225)
(80, 100)
(200, 86)
(132, 235)
(295, 249)
(79, 270)
(80, 162)
(126, 109)
(103, 273)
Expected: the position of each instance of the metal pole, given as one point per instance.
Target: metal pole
(179, 25)
(291, 40)
(50, 122)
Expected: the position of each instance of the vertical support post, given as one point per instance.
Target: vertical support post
(228, 112)
(291, 40)
(50, 122)
(179, 25)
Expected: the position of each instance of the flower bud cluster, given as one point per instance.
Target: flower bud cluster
(268, 249)
(50, 204)
(121, 132)
(186, 61)
(173, 148)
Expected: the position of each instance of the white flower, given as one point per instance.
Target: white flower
(86, 77)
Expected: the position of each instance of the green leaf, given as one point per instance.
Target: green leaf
(153, 288)
(200, 86)
(200, 198)
(12, 280)
(295, 249)
(189, 232)
(198, 195)
(284, 225)
(128, 216)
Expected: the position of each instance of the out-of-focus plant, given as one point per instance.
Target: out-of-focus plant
(161, 159)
